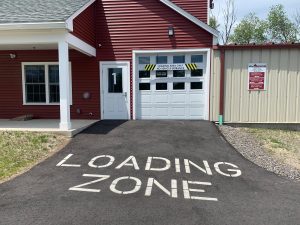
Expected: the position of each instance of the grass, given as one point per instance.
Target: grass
(21, 150)
(283, 145)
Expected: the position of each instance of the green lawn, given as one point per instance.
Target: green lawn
(21, 150)
(282, 144)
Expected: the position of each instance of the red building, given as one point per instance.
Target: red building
(104, 59)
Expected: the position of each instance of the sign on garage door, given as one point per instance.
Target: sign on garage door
(172, 86)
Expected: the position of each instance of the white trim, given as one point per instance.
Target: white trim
(46, 64)
(80, 45)
(134, 62)
(190, 17)
(171, 51)
(18, 37)
(69, 21)
(103, 63)
(32, 26)
(207, 78)
(207, 84)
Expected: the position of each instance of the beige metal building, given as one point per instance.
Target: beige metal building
(278, 103)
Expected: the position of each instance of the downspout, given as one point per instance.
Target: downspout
(222, 80)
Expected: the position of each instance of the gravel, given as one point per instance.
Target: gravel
(251, 149)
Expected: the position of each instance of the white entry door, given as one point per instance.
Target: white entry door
(115, 90)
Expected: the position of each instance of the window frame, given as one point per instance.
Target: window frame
(144, 90)
(47, 83)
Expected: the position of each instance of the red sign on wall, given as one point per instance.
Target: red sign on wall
(257, 77)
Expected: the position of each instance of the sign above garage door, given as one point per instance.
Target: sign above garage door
(172, 85)
(160, 67)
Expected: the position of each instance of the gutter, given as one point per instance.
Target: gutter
(33, 26)
(256, 46)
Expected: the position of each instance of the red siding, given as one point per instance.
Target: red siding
(143, 24)
(198, 8)
(85, 77)
(120, 27)
(84, 25)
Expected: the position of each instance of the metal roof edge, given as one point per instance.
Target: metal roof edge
(257, 46)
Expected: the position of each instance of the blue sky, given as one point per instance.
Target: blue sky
(260, 7)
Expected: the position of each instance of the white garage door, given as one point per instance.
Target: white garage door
(172, 86)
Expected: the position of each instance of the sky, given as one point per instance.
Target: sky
(260, 7)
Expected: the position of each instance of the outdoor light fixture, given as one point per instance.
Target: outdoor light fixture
(12, 56)
(212, 4)
(171, 31)
(86, 95)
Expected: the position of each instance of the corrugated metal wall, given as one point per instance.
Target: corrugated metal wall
(280, 103)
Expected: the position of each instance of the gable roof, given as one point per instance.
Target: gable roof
(38, 11)
(191, 17)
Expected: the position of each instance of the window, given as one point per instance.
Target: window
(35, 84)
(178, 73)
(197, 59)
(144, 74)
(144, 60)
(144, 86)
(197, 73)
(115, 80)
(53, 84)
(161, 86)
(196, 85)
(179, 86)
(161, 59)
(179, 59)
(162, 73)
(41, 83)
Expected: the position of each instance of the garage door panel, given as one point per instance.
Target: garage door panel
(196, 98)
(161, 112)
(178, 112)
(145, 99)
(184, 96)
(145, 112)
(178, 98)
(161, 98)
(197, 110)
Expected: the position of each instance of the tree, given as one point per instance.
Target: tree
(250, 30)
(213, 22)
(297, 20)
(229, 18)
(280, 28)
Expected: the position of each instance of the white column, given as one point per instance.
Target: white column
(64, 85)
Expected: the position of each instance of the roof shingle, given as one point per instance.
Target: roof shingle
(35, 11)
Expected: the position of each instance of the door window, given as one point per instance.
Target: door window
(115, 80)
(161, 86)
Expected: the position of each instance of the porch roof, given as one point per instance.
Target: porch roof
(38, 11)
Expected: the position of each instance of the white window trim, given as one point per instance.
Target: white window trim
(46, 64)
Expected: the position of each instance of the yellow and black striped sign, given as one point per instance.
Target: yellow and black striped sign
(191, 66)
(187, 66)
(150, 67)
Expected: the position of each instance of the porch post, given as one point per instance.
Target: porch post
(64, 85)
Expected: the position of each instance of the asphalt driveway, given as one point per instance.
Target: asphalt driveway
(149, 172)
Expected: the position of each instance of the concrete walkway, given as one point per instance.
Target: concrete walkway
(150, 173)
(45, 125)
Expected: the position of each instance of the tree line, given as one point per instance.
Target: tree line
(276, 28)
